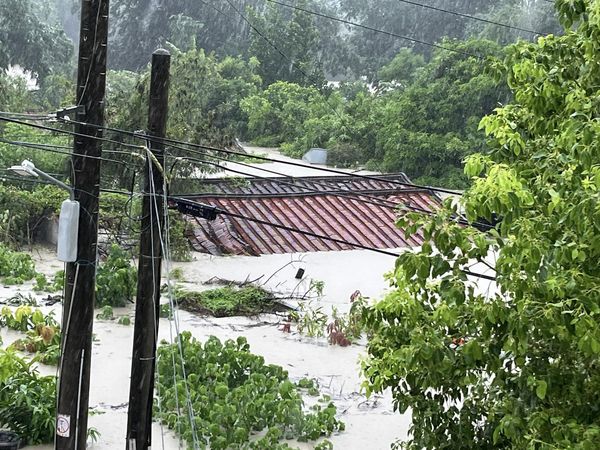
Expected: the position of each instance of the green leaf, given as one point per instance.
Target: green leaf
(540, 389)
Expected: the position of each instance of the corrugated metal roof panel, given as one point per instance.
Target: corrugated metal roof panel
(331, 208)
(300, 185)
(337, 216)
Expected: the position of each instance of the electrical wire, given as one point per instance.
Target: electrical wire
(72, 133)
(165, 247)
(315, 235)
(52, 150)
(66, 329)
(339, 172)
(336, 191)
(375, 200)
(467, 16)
(27, 115)
(49, 183)
(307, 166)
(155, 295)
(375, 30)
(267, 40)
(150, 138)
(176, 144)
(64, 147)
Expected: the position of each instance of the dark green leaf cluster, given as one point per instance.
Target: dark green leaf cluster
(15, 267)
(227, 301)
(116, 279)
(234, 396)
(27, 400)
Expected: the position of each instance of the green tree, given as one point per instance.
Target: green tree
(422, 120)
(514, 367)
(204, 106)
(403, 68)
(28, 41)
(427, 128)
(283, 112)
(286, 46)
(371, 50)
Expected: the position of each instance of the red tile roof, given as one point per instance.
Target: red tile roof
(332, 212)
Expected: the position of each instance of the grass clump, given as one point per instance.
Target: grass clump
(229, 301)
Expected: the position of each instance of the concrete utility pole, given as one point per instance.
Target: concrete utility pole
(78, 305)
(147, 308)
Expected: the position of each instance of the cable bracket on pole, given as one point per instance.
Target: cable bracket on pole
(62, 113)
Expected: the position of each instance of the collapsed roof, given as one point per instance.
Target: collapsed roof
(345, 208)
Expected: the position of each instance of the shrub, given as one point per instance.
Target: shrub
(27, 400)
(22, 212)
(235, 395)
(227, 301)
(116, 279)
(43, 332)
(15, 267)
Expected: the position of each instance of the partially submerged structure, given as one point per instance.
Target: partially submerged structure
(342, 210)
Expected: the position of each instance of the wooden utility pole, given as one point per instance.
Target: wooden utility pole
(78, 306)
(147, 308)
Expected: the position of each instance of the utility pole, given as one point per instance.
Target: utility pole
(78, 305)
(147, 307)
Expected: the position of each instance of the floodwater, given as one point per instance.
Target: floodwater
(370, 423)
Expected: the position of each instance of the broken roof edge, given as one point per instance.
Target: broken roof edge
(380, 192)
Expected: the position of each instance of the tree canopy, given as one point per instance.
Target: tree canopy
(27, 40)
(514, 366)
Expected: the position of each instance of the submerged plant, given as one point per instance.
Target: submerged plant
(234, 395)
(27, 399)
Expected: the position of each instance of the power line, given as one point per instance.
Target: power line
(467, 16)
(45, 148)
(375, 30)
(221, 150)
(174, 143)
(72, 133)
(258, 157)
(63, 147)
(336, 193)
(27, 115)
(267, 40)
(49, 183)
(317, 84)
(317, 168)
(310, 233)
(345, 193)
(231, 152)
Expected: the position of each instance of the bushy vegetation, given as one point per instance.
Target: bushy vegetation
(228, 301)
(421, 119)
(513, 367)
(27, 399)
(234, 396)
(15, 267)
(340, 328)
(22, 212)
(116, 279)
(43, 332)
